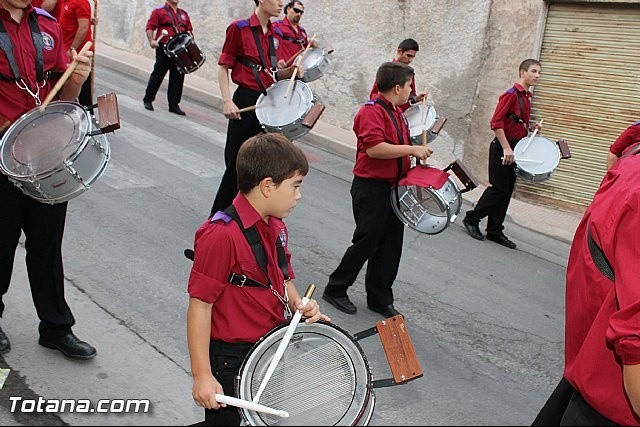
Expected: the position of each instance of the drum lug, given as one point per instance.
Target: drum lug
(73, 172)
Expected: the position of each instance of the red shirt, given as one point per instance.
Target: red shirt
(291, 42)
(164, 18)
(57, 9)
(404, 107)
(602, 327)
(626, 139)
(240, 42)
(72, 10)
(508, 105)
(16, 101)
(373, 125)
(240, 314)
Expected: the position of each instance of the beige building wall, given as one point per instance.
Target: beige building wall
(469, 53)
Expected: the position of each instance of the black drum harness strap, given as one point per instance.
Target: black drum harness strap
(7, 46)
(514, 116)
(173, 22)
(256, 68)
(400, 138)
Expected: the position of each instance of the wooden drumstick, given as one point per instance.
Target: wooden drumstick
(252, 406)
(532, 136)
(63, 79)
(298, 62)
(162, 34)
(294, 56)
(249, 108)
(283, 344)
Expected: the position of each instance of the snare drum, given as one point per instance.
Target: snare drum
(423, 118)
(184, 52)
(321, 354)
(537, 160)
(288, 115)
(314, 64)
(427, 199)
(54, 155)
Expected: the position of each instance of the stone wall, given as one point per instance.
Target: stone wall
(469, 53)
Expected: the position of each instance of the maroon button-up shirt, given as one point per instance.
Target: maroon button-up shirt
(239, 314)
(164, 18)
(508, 105)
(626, 139)
(289, 47)
(373, 125)
(15, 101)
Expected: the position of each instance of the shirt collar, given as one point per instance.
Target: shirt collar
(519, 88)
(255, 22)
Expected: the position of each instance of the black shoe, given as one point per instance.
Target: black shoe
(190, 254)
(148, 105)
(177, 111)
(387, 311)
(473, 229)
(5, 345)
(502, 240)
(343, 304)
(69, 345)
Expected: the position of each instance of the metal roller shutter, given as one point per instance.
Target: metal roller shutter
(588, 94)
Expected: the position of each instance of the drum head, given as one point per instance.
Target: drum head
(178, 42)
(312, 58)
(323, 378)
(39, 142)
(420, 118)
(275, 110)
(540, 158)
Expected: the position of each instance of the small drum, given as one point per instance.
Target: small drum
(184, 52)
(428, 199)
(293, 116)
(423, 118)
(537, 158)
(54, 155)
(329, 358)
(315, 64)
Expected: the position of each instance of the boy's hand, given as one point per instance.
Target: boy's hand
(204, 392)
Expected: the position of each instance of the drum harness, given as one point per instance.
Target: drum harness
(173, 22)
(597, 254)
(7, 46)
(400, 138)
(257, 68)
(251, 234)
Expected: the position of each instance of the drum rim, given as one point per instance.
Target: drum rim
(545, 175)
(369, 394)
(48, 172)
(418, 107)
(186, 36)
(279, 128)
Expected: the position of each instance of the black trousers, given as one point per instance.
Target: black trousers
(86, 97)
(176, 79)
(238, 131)
(494, 202)
(43, 226)
(377, 240)
(580, 413)
(226, 360)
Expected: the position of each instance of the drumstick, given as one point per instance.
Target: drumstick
(527, 160)
(64, 77)
(298, 62)
(290, 60)
(252, 406)
(532, 136)
(162, 34)
(283, 344)
(249, 108)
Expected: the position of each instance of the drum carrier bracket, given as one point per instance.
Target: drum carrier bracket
(398, 349)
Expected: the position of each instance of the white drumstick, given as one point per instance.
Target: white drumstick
(162, 34)
(252, 406)
(283, 344)
(527, 160)
(532, 136)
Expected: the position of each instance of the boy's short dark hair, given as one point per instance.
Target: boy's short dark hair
(408, 44)
(268, 155)
(393, 73)
(256, 2)
(528, 63)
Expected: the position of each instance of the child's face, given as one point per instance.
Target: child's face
(286, 195)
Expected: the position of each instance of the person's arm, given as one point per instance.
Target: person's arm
(229, 108)
(151, 37)
(311, 310)
(631, 375)
(72, 86)
(81, 33)
(384, 150)
(205, 385)
(611, 159)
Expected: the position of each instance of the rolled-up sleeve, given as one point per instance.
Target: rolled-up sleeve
(214, 252)
(230, 47)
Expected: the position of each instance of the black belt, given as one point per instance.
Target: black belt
(47, 76)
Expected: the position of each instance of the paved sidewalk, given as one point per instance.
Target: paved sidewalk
(550, 221)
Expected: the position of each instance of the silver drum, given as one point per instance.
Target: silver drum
(420, 119)
(285, 115)
(536, 160)
(315, 64)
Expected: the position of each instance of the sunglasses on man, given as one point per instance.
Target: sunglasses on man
(296, 10)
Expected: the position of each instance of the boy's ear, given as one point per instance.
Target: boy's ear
(266, 185)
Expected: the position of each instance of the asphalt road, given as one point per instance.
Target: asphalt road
(487, 322)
